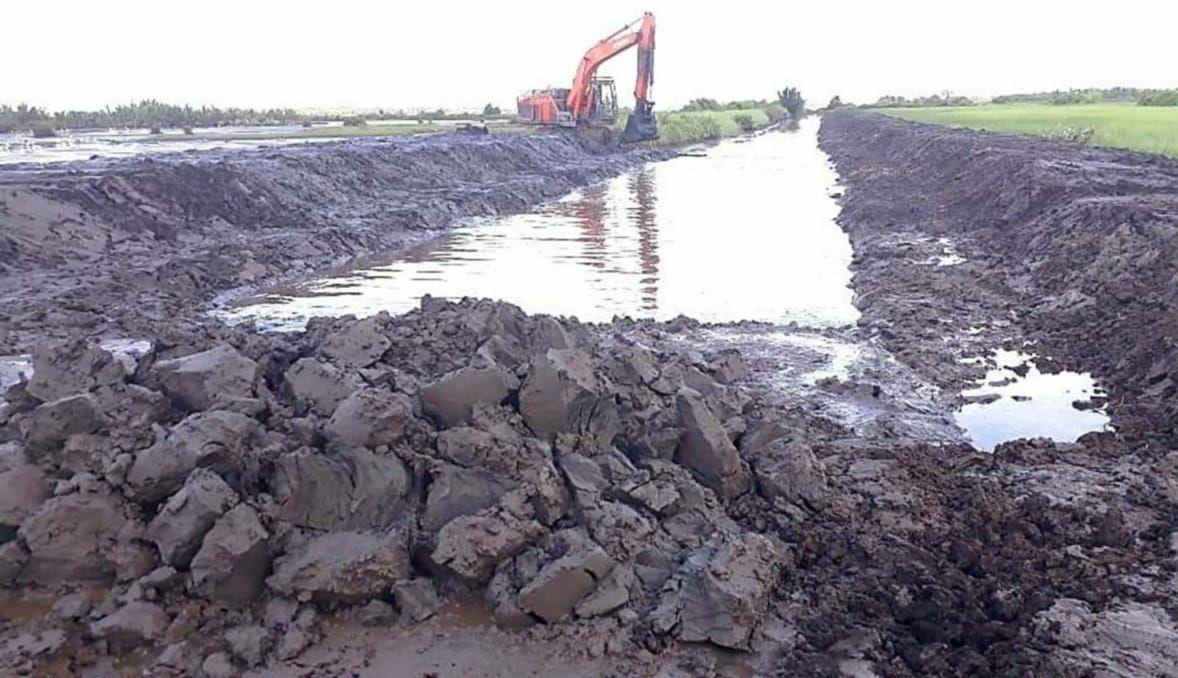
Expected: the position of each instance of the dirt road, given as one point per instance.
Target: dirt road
(469, 490)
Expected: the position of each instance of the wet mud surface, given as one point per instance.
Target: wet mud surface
(468, 489)
(113, 248)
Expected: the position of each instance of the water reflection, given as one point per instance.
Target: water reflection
(1016, 400)
(746, 232)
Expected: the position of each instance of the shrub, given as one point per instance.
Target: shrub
(1076, 135)
(355, 121)
(677, 128)
(776, 112)
(43, 130)
(745, 121)
(835, 102)
(1161, 97)
(1076, 96)
(702, 105)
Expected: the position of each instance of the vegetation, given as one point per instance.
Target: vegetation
(775, 112)
(713, 105)
(43, 130)
(791, 100)
(1108, 94)
(684, 127)
(945, 98)
(153, 115)
(1158, 97)
(835, 102)
(1076, 96)
(1150, 129)
(147, 114)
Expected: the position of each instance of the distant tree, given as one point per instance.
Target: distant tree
(491, 110)
(835, 102)
(745, 121)
(43, 129)
(703, 104)
(792, 100)
(1160, 97)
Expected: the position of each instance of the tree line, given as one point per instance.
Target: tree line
(147, 114)
(152, 114)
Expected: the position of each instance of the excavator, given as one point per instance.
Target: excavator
(592, 102)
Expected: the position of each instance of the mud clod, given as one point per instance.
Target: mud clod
(233, 559)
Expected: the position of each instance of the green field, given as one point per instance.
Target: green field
(1140, 128)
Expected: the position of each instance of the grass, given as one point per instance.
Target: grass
(682, 127)
(1149, 129)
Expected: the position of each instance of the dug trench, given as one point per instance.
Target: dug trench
(117, 247)
(614, 499)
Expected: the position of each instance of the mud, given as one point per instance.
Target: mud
(113, 248)
(470, 490)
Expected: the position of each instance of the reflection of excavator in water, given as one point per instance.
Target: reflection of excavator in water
(593, 101)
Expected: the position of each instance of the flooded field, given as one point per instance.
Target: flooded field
(745, 231)
(75, 145)
(86, 145)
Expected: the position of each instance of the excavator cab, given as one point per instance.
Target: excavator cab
(604, 109)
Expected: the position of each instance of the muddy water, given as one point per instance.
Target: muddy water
(742, 231)
(1017, 400)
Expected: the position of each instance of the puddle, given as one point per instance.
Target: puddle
(746, 232)
(1009, 405)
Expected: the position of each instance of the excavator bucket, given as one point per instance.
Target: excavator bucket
(642, 126)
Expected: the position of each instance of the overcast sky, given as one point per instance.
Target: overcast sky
(361, 54)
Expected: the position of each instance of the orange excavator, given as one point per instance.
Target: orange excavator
(593, 101)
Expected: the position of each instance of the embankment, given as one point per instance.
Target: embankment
(112, 248)
(1073, 248)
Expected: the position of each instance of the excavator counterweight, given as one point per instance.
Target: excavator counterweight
(592, 101)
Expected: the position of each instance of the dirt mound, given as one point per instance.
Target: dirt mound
(468, 448)
(107, 248)
(222, 495)
(1076, 246)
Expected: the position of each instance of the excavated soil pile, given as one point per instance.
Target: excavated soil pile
(230, 484)
(203, 506)
(1076, 247)
(114, 248)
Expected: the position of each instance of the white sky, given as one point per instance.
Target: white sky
(361, 54)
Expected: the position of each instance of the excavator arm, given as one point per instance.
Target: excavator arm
(640, 34)
(580, 106)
